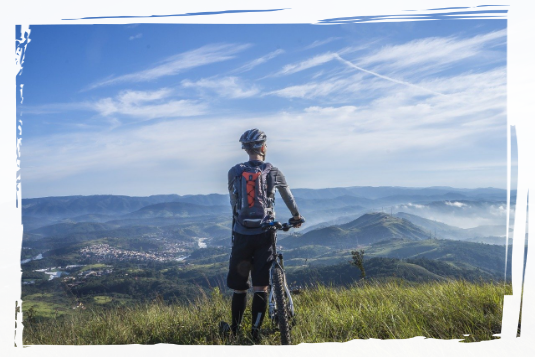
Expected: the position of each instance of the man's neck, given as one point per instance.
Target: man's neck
(256, 157)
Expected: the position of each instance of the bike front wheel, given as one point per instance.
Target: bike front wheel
(280, 300)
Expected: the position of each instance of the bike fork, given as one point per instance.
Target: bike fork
(272, 307)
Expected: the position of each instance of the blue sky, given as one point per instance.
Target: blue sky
(152, 109)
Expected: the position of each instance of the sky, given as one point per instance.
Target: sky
(158, 109)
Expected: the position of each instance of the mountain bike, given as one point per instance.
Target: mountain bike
(281, 307)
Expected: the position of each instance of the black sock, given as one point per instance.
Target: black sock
(259, 308)
(239, 301)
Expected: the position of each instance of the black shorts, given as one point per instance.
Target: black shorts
(250, 253)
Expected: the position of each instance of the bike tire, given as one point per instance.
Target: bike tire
(280, 300)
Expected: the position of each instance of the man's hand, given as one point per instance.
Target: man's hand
(296, 218)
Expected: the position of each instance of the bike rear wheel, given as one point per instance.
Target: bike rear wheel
(280, 300)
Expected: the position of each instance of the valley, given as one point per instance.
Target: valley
(117, 250)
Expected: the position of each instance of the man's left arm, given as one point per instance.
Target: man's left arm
(286, 194)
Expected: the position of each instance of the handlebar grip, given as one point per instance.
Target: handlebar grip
(296, 221)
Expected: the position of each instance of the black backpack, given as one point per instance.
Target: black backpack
(253, 206)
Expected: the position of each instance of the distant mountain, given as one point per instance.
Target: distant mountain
(439, 229)
(72, 206)
(397, 199)
(365, 230)
(92, 217)
(176, 209)
(21, 223)
(366, 192)
(213, 199)
(63, 229)
(443, 230)
(335, 202)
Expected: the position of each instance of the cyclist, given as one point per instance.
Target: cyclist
(251, 246)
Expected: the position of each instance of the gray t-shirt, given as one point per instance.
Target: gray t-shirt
(275, 181)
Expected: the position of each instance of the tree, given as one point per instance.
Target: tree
(357, 259)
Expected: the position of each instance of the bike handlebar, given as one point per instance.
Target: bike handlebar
(276, 225)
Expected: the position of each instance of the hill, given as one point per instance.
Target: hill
(365, 230)
(469, 255)
(387, 310)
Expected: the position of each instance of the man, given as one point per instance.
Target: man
(252, 187)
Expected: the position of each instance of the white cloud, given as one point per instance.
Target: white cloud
(130, 103)
(309, 90)
(176, 64)
(258, 61)
(436, 51)
(229, 87)
(134, 25)
(141, 104)
(318, 43)
(456, 204)
(139, 35)
(306, 64)
(381, 143)
(380, 130)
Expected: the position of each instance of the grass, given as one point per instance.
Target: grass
(45, 305)
(94, 266)
(386, 310)
(102, 299)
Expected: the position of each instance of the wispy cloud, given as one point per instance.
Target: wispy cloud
(229, 87)
(148, 105)
(306, 64)
(134, 25)
(379, 107)
(129, 103)
(434, 50)
(313, 90)
(258, 61)
(320, 43)
(385, 77)
(139, 35)
(179, 63)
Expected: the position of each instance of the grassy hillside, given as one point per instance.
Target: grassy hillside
(410, 270)
(444, 310)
